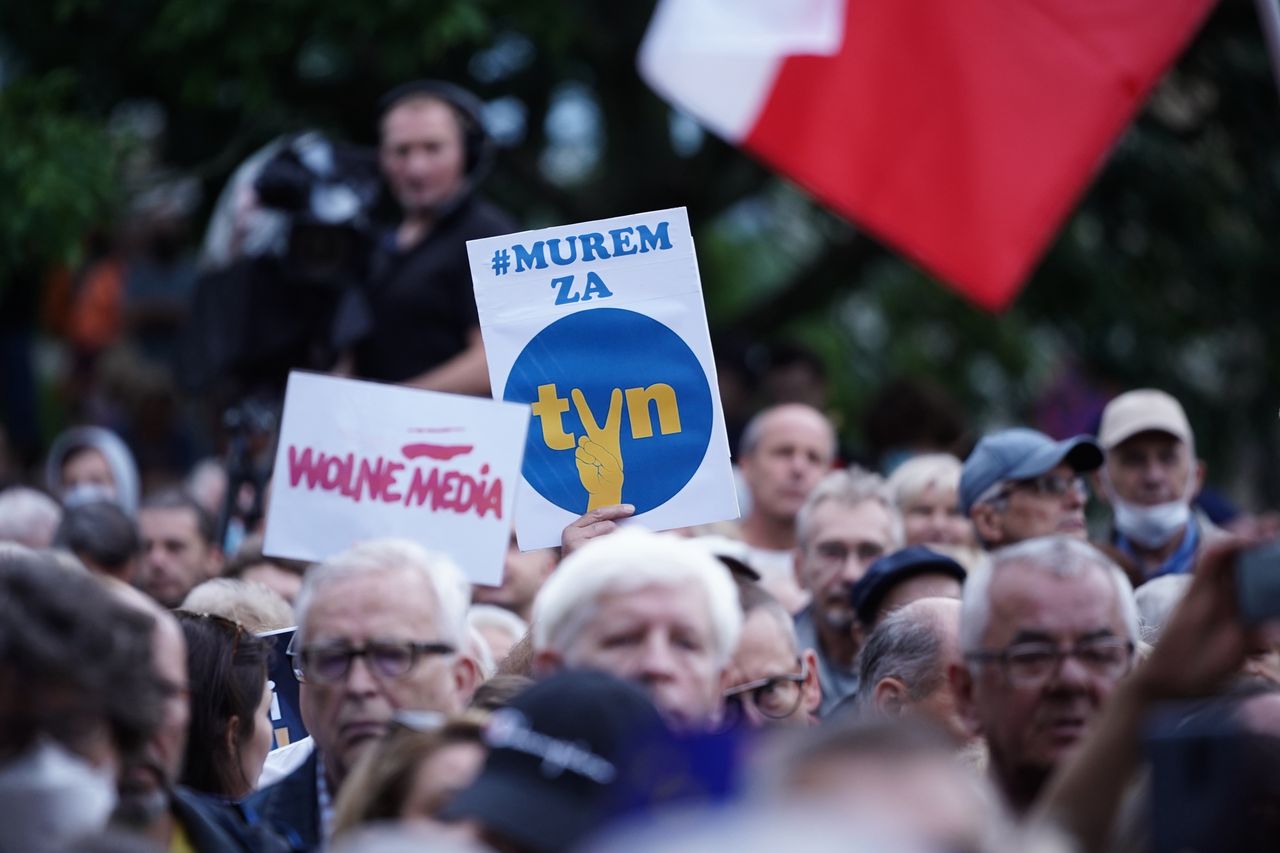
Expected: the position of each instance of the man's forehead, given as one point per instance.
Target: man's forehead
(390, 595)
(765, 648)
(865, 521)
(1147, 440)
(681, 604)
(169, 517)
(1025, 598)
(763, 634)
(408, 114)
(795, 424)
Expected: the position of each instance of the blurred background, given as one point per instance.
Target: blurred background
(121, 123)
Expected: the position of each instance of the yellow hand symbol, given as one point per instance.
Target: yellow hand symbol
(599, 453)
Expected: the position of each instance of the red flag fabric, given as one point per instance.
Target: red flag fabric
(961, 132)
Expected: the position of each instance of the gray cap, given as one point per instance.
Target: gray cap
(1020, 454)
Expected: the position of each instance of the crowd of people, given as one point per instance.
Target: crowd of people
(934, 658)
(939, 660)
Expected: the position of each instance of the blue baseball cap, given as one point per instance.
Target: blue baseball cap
(892, 569)
(1020, 454)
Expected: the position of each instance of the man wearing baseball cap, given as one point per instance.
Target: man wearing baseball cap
(1018, 484)
(1150, 478)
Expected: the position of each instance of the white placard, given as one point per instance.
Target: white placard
(600, 328)
(363, 460)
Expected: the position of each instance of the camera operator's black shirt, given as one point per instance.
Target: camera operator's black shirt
(421, 301)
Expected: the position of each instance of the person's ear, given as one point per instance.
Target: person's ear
(547, 662)
(232, 735)
(1201, 469)
(811, 687)
(986, 520)
(963, 687)
(890, 696)
(466, 678)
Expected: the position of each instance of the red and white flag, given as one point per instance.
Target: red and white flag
(961, 132)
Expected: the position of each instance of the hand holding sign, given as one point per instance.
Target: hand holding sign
(599, 454)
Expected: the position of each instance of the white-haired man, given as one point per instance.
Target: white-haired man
(28, 517)
(845, 525)
(1048, 629)
(646, 607)
(380, 629)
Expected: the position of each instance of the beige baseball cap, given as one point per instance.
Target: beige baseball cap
(1141, 411)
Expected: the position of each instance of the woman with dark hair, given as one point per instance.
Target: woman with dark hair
(230, 733)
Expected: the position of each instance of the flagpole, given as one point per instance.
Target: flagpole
(1269, 13)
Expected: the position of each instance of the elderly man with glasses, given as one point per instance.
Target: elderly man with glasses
(772, 681)
(379, 628)
(1018, 484)
(1047, 630)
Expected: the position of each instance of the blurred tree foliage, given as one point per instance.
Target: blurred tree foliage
(57, 175)
(1164, 276)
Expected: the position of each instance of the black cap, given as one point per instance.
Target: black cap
(891, 570)
(558, 753)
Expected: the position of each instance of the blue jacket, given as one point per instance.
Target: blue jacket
(290, 807)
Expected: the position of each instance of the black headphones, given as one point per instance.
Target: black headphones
(470, 111)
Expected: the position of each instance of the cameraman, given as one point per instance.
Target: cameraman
(421, 319)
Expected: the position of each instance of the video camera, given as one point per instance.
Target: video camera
(271, 301)
(328, 193)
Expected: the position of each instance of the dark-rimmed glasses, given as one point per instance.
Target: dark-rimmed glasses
(327, 663)
(776, 697)
(1031, 664)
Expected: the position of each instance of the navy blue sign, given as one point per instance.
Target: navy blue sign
(285, 712)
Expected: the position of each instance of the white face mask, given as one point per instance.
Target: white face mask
(50, 797)
(1150, 526)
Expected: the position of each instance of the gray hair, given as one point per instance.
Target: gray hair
(906, 645)
(628, 560)
(28, 517)
(490, 616)
(254, 606)
(377, 556)
(849, 487)
(913, 478)
(101, 533)
(1061, 556)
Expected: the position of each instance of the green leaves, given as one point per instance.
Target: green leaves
(57, 175)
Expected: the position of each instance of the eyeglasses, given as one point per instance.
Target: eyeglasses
(776, 697)
(837, 553)
(329, 663)
(1031, 664)
(1049, 485)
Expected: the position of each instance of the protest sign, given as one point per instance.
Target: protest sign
(285, 713)
(600, 328)
(363, 460)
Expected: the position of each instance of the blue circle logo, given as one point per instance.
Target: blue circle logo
(621, 410)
